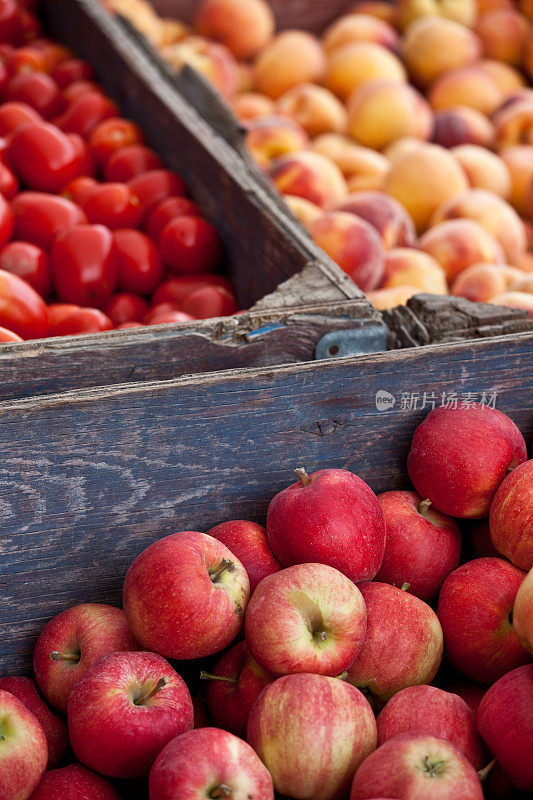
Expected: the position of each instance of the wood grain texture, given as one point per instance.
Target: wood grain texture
(258, 338)
(90, 478)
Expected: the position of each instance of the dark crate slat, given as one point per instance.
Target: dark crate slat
(89, 478)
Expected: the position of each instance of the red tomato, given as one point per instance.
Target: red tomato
(130, 161)
(72, 70)
(76, 89)
(57, 312)
(164, 314)
(38, 90)
(111, 135)
(132, 324)
(29, 25)
(140, 269)
(126, 307)
(80, 189)
(82, 149)
(82, 320)
(166, 210)
(190, 244)
(40, 217)
(44, 158)
(10, 26)
(114, 205)
(6, 221)
(84, 114)
(4, 79)
(177, 289)
(22, 310)
(155, 185)
(211, 301)
(14, 115)
(9, 185)
(27, 59)
(29, 262)
(9, 336)
(85, 265)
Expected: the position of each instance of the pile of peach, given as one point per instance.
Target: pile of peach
(402, 138)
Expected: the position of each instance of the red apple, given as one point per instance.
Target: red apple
(312, 732)
(306, 618)
(185, 596)
(505, 721)
(124, 710)
(422, 547)
(234, 686)
(330, 517)
(209, 763)
(74, 783)
(475, 606)
(249, 542)
(432, 711)
(71, 642)
(522, 613)
(53, 726)
(511, 517)
(23, 749)
(414, 766)
(470, 691)
(402, 646)
(459, 457)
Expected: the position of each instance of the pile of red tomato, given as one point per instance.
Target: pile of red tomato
(95, 233)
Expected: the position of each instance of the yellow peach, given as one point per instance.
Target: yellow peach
(362, 167)
(466, 86)
(244, 26)
(315, 108)
(435, 45)
(360, 28)
(357, 63)
(484, 170)
(386, 215)
(463, 11)
(479, 282)
(503, 33)
(459, 243)
(407, 266)
(506, 77)
(381, 9)
(462, 125)
(252, 105)
(519, 161)
(523, 300)
(514, 124)
(269, 138)
(311, 176)
(293, 57)
(303, 210)
(214, 61)
(387, 299)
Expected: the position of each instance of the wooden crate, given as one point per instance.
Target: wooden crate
(295, 293)
(91, 477)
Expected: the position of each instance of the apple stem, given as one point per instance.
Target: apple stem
(225, 564)
(405, 586)
(208, 676)
(302, 474)
(55, 655)
(2, 737)
(432, 769)
(483, 773)
(148, 696)
(342, 676)
(221, 791)
(423, 506)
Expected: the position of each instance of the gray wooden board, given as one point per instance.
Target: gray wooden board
(90, 478)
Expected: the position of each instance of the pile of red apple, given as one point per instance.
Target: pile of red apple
(95, 233)
(328, 629)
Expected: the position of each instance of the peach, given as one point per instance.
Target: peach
(399, 148)
(466, 86)
(386, 215)
(245, 77)
(484, 6)
(311, 176)
(479, 282)
(386, 299)
(523, 283)
(292, 57)
(503, 33)
(462, 125)
(303, 210)
(459, 243)
(493, 213)
(353, 244)
(525, 262)
(463, 11)
(405, 266)
(435, 45)
(526, 7)
(360, 28)
(519, 161)
(423, 179)
(315, 108)
(252, 105)
(214, 61)
(362, 167)
(514, 124)
(381, 111)
(172, 31)
(484, 169)
(522, 300)
(506, 77)
(381, 9)
(244, 26)
(142, 15)
(357, 63)
(269, 138)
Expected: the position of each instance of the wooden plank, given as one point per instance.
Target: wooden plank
(89, 478)
(260, 338)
